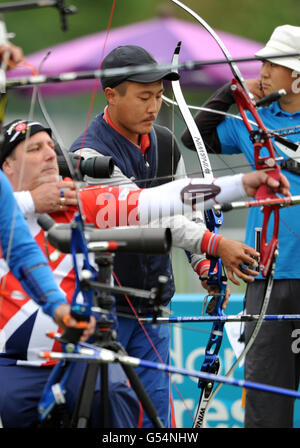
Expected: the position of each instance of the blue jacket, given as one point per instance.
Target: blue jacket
(234, 139)
(24, 257)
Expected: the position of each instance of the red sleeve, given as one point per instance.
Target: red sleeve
(108, 207)
(210, 242)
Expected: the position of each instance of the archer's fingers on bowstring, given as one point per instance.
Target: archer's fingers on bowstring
(241, 275)
(226, 299)
(231, 276)
(246, 256)
(227, 295)
(249, 270)
(246, 275)
(224, 304)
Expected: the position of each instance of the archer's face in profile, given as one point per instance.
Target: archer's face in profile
(275, 77)
(32, 162)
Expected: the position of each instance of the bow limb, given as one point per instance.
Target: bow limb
(189, 120)
(268, 250)
(215, 277)
(290, 148)
(81, 311)
(234, 68)
(245, 100)
(261, 139)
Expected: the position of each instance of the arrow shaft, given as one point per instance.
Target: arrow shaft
(26, 81)
(224, 318)
(283, 202)
(93, 355)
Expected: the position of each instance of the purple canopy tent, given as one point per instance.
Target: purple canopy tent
(159, 37)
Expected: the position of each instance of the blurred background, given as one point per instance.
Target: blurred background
(244, 26)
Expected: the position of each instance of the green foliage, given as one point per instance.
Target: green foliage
(40, 28)
(254, 19)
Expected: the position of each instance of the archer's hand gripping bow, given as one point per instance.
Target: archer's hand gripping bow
(261, 139)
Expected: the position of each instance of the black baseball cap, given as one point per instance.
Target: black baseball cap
(15, 132)
(132, 56)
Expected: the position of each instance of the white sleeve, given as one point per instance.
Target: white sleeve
(195, 257)
(186, 234)
(232, 189)
(25, 202)
(168, 199)
(195, 260)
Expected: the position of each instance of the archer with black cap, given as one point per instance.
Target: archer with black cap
(145, 155)
(133, 56)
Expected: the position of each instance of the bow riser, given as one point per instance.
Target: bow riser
(261, 139)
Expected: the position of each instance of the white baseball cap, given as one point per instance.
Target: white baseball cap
(285, 39)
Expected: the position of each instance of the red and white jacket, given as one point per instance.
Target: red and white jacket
(23, 324)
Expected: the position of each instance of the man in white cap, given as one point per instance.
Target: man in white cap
(272, 359)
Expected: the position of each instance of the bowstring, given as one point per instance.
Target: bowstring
(239, 78)
(20, 180)
(96, 83)
(82, 146)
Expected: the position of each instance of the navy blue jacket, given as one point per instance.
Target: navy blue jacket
(136, 270)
